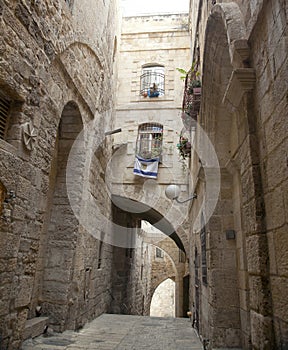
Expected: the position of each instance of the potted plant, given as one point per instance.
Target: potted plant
(195, 87)
(184, 147)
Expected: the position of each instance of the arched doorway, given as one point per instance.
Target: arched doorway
(62, 225)
(163, 300)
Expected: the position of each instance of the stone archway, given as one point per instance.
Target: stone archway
(224, 31)
(62, 231)
(163, 269)
(179, 266)
(153, 215)
(127, 216)
(163, 299)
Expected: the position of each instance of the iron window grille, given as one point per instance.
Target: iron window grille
(159, 253)
(149, 140)
(152, 81)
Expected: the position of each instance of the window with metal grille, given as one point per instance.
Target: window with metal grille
(5, 105)
(152, 81)
(149, 140)
(159, 253)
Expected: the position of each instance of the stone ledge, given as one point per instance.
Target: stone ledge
(34, 327)
(241, 81)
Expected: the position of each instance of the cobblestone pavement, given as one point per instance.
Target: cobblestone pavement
(123, 332)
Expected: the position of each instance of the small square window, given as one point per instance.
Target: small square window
(159, 253)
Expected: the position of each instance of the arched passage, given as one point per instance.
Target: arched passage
(133, 261)
(163, 300)
(142, 211)
(215, 280)
(62, 225)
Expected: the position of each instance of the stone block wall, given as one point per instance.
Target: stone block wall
(269, 57)
(50, 58)
(241, 111)
(163, 40)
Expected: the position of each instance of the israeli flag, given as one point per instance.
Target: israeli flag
(146, 167)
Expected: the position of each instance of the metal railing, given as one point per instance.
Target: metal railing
(150, 80)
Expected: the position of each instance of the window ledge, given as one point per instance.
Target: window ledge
(4, 145)
(151, 99)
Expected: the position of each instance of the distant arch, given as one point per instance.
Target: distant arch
(163, 299)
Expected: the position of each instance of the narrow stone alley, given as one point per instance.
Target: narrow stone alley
(123, 332)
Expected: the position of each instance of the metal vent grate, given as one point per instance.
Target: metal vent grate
(4, 112)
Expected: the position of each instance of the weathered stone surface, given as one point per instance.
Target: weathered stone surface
(254, 153)
(35, 327)
(59, 68)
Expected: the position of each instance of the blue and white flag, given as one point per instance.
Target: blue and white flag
(146, 167)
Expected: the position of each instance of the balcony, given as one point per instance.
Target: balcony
(191, 101)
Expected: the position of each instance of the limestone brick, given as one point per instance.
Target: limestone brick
(259, 196)
(34, 35)
(261, 331)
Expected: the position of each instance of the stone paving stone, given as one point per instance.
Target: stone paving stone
(123, 332)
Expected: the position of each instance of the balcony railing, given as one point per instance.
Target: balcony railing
(150, 80)
(191, 100)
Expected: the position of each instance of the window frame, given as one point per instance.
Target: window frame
(159, 253)
(149, 143)
(152, 73)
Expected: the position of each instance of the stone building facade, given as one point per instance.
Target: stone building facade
(71, 241)
(60, 258)
(150, 44)
(56, 81)
(238, 252)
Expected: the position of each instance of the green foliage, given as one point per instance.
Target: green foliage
(184, 147)
(182, 71)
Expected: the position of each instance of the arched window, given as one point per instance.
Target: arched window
(152, 80)
(149, 140)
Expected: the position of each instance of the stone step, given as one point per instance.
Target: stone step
(35, 327)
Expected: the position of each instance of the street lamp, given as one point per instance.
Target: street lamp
(172, 192)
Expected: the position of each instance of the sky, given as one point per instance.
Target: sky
(137, 7)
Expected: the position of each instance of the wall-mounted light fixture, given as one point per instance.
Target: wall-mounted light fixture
(173, 191)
